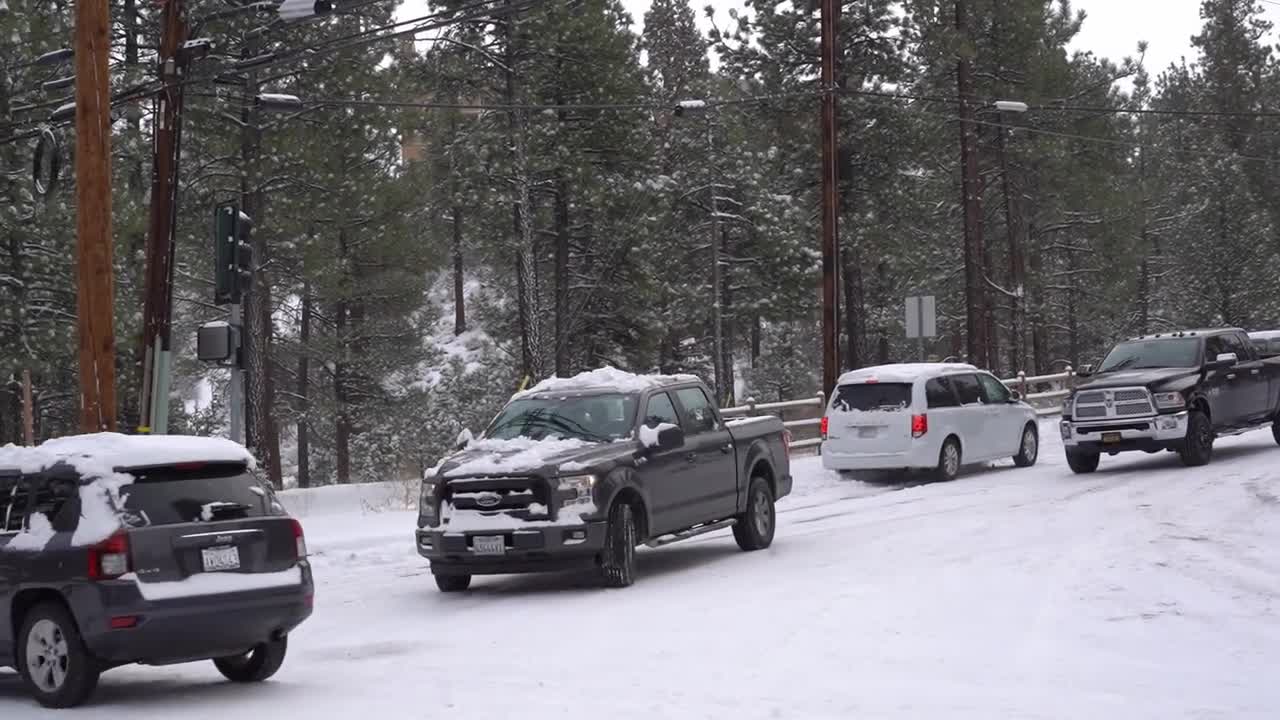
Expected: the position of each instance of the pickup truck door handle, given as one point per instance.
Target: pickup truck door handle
(1231, 376)
(691, 457)
(728, 447)
(1254, 371)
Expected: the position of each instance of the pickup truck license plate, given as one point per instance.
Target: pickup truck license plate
(1111, 437)
(220, 558)
(489, 544)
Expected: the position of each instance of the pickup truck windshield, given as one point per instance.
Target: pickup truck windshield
(1170, 353)
(596, 418)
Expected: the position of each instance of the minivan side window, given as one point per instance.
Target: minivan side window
(939, 393)
(698, 411)
(993, 391)
(967, 388)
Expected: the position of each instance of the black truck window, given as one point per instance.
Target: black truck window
(697, 410)
(1155, 353)
(1234, 344)
(660, 410)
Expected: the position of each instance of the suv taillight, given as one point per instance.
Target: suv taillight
(299, 540)
(109, 559)
(822, 426)
(919, 425)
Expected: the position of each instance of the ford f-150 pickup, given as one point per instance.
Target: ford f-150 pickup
(577, 472)
(1174, 391)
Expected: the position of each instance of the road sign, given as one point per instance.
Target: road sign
(922, 317)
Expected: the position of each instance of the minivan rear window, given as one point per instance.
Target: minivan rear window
(191, 493)
(872, 396)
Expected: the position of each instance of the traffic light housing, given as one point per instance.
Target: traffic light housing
(232, 254)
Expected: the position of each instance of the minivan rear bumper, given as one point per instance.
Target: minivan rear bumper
(189, 628)
(918, 456)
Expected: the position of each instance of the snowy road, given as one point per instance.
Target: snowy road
(1145, 591)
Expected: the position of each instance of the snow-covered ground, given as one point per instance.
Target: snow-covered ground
(1147, 590)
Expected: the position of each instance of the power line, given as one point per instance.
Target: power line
(1049, 107)
(536, 107)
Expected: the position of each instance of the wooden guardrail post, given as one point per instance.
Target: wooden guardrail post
(1022, 383)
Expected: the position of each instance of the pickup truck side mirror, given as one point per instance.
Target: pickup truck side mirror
(1085, 370)
(464, 439)
(1225, 360)
(669, 437)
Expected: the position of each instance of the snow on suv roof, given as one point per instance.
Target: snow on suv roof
(104, 453)
(606, 378)
(904, 372)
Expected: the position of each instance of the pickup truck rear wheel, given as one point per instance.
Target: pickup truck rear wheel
(754, 528)
(1275, 429)
(1081, 462)
(1197, 449)
(618, 561)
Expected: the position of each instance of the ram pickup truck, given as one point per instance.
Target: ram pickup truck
(577, 472)
(1174, 391)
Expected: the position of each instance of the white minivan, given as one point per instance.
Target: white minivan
(934, 416)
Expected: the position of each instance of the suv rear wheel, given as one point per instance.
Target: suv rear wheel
(256, 665)
(618, 561)
(53, 659)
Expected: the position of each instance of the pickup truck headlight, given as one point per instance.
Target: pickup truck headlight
(1170, 401)
(577, 489)
(427, 500)
(1066, 405)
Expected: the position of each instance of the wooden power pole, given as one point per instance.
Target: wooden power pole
(95, 297)
(830, 202)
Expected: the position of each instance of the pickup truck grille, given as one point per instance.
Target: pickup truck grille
(1106, 404)
(497, 493)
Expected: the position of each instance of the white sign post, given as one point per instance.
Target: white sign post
(922, 320)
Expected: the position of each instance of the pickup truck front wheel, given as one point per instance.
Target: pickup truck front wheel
(1081, 462)
(1275, 429)
(1197, 449)
(618, 561)
(754, 529)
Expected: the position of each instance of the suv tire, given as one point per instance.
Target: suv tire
(618, 559)
(949, 460)
(256, 665)
(52, 658)
(453, 583)
(1028, 447)
(755, 527)
(1082, 462)
(1197, 449)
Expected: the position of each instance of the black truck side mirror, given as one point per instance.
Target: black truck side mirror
(670, 438)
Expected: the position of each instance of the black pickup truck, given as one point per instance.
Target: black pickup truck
(1174, 391)
(576, 473)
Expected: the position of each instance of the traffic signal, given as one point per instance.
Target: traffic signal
(232, 254)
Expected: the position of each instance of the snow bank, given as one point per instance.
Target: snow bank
(216, 583)
(607, 377)
(515, 455)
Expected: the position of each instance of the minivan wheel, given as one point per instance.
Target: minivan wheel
(949, 459)
(618, 560)
(1029, 448)
(754, 528)
(53, 660)
(453, 583)
(257, 665)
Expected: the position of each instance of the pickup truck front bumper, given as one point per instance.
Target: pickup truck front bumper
(526, 549)
(1150, 434)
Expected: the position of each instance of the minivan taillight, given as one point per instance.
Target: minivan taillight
(822, 426)
(109, 559)
(299, 540)
(919, 425)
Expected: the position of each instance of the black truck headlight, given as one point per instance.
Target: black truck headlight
(427, 500)
(576, 489)
(1170, 401)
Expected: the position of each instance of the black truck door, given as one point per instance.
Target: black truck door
(1254, 378)
(712, 454)
(667, 475)
(1226, 386)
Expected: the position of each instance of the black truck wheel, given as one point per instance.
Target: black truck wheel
(453, 583)
(1028, 447)
(1275, 429)
(52, 658)
(257, 665)
(618, 561)
(754, 528)
(1197, 449)
(1082, 462)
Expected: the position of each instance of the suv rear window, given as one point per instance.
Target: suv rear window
(189, 493)
(872, 396)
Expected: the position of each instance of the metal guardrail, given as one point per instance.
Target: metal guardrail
(1043, 402)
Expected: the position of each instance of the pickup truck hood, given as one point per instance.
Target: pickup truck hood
(522, 456)
(1152, 378)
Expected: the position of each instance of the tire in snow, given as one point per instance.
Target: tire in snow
(618, 560)
(52, 658)
(257, 665)
(755, 527)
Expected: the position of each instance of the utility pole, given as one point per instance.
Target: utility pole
(95, 297)
(971, 190)
(157, 311)
(830, 202)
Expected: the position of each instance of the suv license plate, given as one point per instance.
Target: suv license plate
(1111, 437)
(489, 544)
(220, 558)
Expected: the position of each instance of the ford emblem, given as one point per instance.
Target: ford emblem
(488, 500)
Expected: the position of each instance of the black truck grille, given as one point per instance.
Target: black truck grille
(497, 493)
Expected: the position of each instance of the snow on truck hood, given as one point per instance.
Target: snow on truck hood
(517, 455)
(98, 459)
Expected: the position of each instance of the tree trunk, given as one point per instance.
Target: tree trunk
(561, 275)
(755, 339)
(971, 198)
(727, 392)
(459, 285)
(854, 306)
(528, 303)
(304, 389)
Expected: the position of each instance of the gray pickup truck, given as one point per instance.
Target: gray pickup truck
(576, 473)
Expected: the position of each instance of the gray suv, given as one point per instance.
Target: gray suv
(204, 564)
